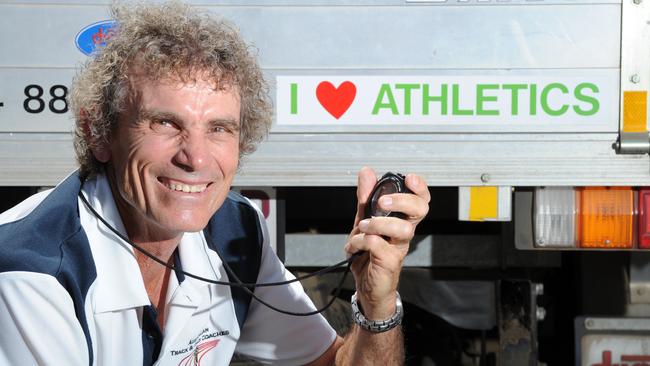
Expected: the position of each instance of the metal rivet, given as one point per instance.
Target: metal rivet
(635, 78)
(485, 177)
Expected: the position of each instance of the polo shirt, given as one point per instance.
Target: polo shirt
(71, 293)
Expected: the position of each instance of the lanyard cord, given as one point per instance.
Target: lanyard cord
(238, 283)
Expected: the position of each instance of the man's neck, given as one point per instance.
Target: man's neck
(156, 276)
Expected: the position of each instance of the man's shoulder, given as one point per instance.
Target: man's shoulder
(32, 233)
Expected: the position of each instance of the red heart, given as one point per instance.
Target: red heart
(336, 100)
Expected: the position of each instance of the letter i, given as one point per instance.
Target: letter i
(533, 100)
(294, 98)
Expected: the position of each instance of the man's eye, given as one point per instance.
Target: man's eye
(164, 124)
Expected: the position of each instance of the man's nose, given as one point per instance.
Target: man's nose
(193, 153)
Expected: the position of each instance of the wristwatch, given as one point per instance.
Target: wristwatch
(377, 326)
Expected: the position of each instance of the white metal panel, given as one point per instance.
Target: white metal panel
(536, 35)
(387, 37)
(326, 160)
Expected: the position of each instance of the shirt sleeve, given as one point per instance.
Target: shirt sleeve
(272, 337)
(38, 320)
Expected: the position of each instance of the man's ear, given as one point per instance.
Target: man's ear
(99, 147)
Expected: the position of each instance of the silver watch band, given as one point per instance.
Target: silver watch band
(377, 326)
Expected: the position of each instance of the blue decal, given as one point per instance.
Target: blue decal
(94, 35)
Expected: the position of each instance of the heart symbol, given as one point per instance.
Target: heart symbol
(336, 100)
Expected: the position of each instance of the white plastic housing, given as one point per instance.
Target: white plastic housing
(555, 215)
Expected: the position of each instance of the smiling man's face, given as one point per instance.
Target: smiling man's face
(173, 156)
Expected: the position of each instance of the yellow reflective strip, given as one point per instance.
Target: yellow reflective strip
(635, 105)
(483, 202)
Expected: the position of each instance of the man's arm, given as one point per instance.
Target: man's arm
(361, 347)
(385, 241)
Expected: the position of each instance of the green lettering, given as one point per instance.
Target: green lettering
(533, 99)
(385, 92)
(294, 98)
(456, 111)
(595, 105)
(482, 98)
(442, 98)
(544, 99)
(514, 96)
(407, 95)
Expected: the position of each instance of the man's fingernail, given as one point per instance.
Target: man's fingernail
(386, 201)
(363, 224)
(415, 180)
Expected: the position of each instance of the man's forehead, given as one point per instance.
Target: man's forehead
(138, 82)
(149, 96)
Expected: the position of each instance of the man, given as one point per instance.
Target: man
(163, 114)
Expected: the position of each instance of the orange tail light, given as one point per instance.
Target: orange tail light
(607, 217)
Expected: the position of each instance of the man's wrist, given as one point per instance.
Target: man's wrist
(373, 307)
(374, 325)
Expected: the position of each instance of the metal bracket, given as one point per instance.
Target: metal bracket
(639, 284)
(635, 78)
(517, 319)
(632, 143)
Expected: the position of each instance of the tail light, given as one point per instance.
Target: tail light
(591, 217)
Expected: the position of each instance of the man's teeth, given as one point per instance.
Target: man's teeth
(187, 188)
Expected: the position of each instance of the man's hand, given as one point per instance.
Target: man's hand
(385, 241)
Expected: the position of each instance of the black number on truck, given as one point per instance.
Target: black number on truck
(34, 102)
(40, 104)
(59, 98)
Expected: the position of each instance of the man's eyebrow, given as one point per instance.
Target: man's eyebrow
(145, 114)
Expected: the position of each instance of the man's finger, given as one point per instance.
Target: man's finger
(365, 183)
(365, 243)
(414, 207)
(398, 230)
(418, 186)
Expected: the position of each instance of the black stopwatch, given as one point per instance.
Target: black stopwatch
(389, 183)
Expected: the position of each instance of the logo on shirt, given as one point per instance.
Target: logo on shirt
(200, 350)
(198, 347)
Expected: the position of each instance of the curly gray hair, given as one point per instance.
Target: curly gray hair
(165, 41)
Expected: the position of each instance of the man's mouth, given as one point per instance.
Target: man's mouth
(183, 187)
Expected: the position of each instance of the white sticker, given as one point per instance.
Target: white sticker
(611, 350)
(564, 102)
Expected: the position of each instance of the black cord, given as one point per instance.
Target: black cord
(231, 273)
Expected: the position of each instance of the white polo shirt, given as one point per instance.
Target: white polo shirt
(42, 312)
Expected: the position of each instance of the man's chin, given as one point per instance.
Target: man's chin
(185, 224)
(192, 227)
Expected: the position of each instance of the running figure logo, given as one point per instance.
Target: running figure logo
(194, 358)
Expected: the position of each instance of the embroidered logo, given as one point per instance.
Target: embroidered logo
(194, 359)
(198, 346)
